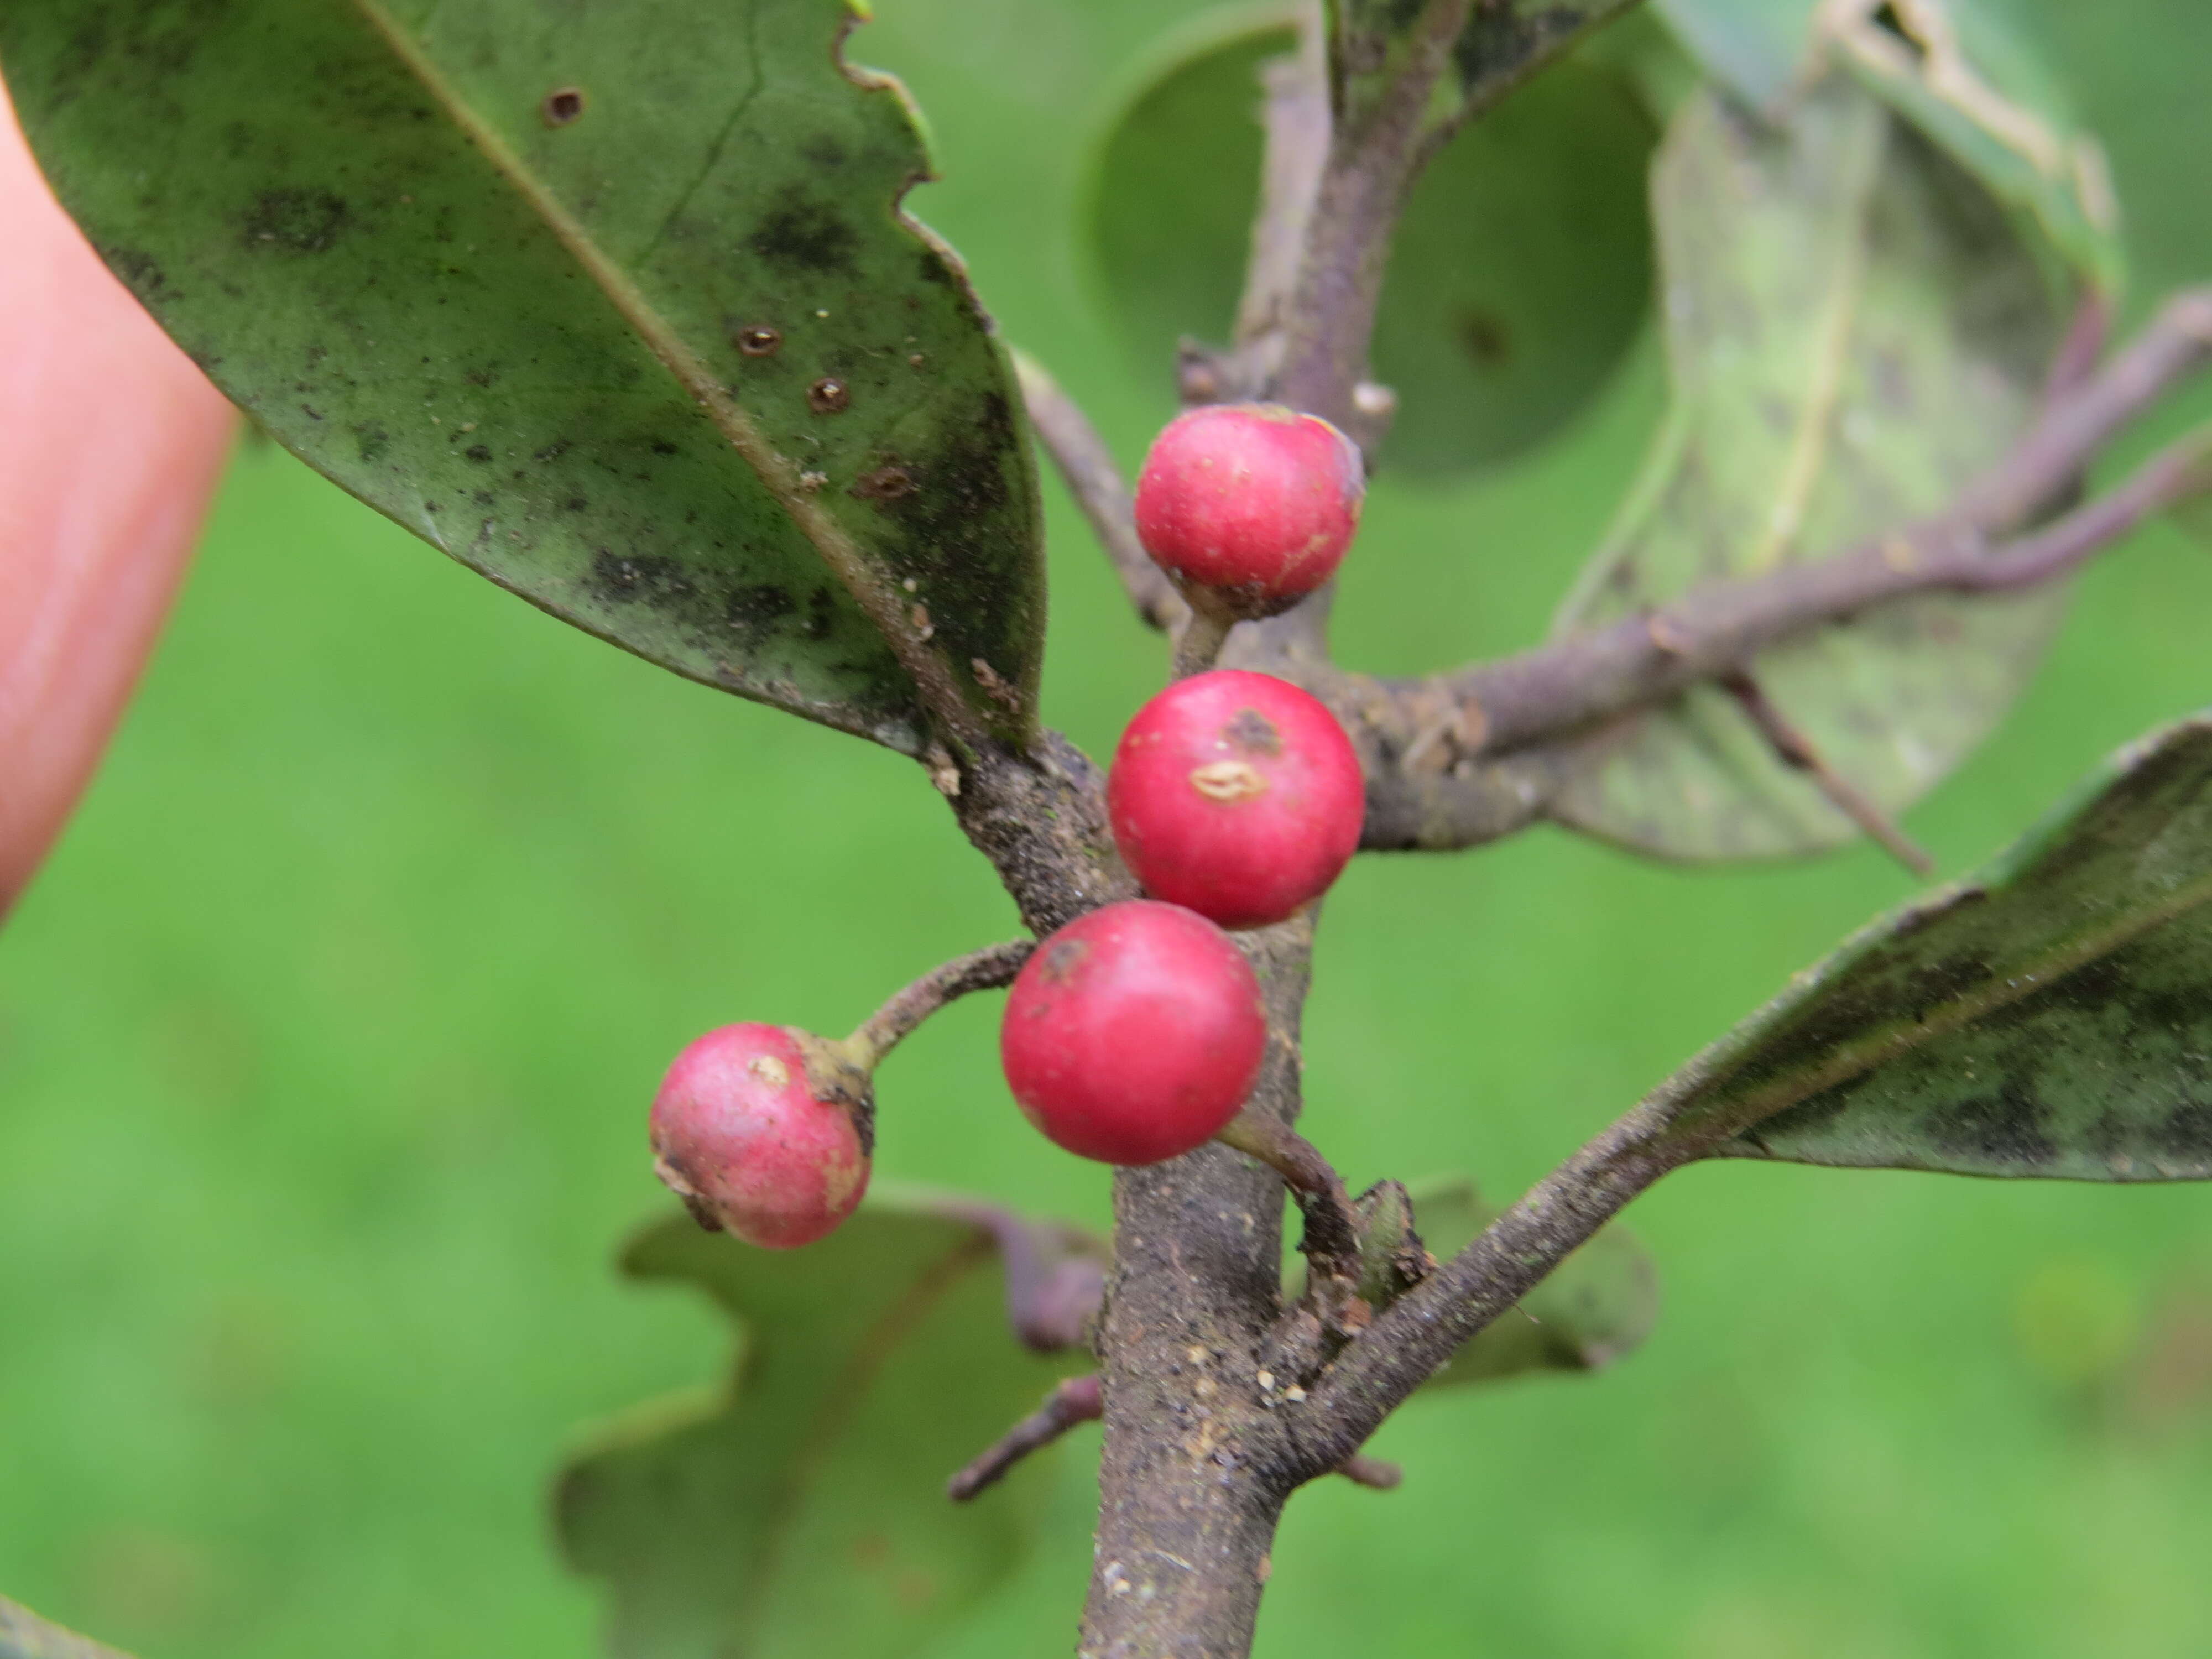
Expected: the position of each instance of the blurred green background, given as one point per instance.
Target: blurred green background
(325, 1042)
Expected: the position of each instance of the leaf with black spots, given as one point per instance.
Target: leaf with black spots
(1854, 330)
(2051, 1016)
(1502, 45)
(1970, 75)
(615, 304)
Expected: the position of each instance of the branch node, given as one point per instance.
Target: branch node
(1373, 1473)
(943, 771)
(1332, 1233)
(1666, 635)
(1536, 703)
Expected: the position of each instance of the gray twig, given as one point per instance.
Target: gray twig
(1501, 719)
(24, 1635)
(1076, 1401)
(1332, 1241)
(1576, 682)
(1295, 114)
(1198, 641)
(986, 970)
(1372, 161)
(1095, 482)
(1409, 1342)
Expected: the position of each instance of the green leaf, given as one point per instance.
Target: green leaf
(1853, 329)
(801, 1509)
(1521, 273)
(1969, 80)
(24, 1635)
(1174, 180)
(1598, 1304)
(1962, 70)
(2049, 1016)
(491, 264)
(1503, 314)
(1755, 48)
(2135, 67)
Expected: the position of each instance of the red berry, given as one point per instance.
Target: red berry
(1250, 505)
(742, 1138)
(1235, 795)
(1133, 1034)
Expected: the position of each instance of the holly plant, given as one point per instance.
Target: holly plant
(617, 304)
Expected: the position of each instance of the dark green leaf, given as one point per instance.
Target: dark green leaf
(1853, 330)
(2051, 1016)
(491, 265)
(1520, 274)
(1598, 1304)
(1960, 69)
(1500, 46)
(801, 1509)
(1646, 55)
(24, 1635)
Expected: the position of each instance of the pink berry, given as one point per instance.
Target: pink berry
(742, 1138)
(1235, 795)
(1133, 1034)
(1249, 505)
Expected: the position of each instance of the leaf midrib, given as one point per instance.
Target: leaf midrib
(842, 1398)
(1854, 1059)
(777, 474)
(1833, 336)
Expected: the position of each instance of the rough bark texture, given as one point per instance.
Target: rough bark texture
(1197, 1464)
(1040, 819)
(1195, 1467)
(1195, 1471)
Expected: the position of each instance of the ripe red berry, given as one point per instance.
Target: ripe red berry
(1249, 505)
(1133, 1034)
(1235, 795)
(742, 1138)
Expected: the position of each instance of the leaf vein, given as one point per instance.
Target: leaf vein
(933, 677)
